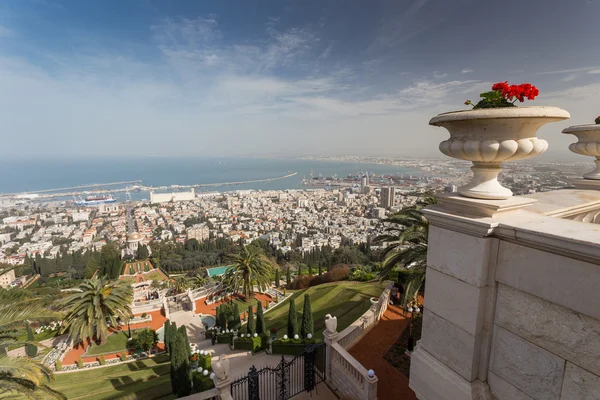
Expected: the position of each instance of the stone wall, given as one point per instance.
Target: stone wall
(512, 305)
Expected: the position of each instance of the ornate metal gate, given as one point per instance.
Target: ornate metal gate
(287, 379)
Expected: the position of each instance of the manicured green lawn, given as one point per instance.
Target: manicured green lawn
(345, 300)
(144, 380)
(114, 342)
(154, 276)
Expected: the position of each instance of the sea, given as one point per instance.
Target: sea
(29, 176)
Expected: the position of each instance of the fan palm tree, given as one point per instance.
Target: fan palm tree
(250, 267)
(21, 375)
(100, 302)
(406, 236)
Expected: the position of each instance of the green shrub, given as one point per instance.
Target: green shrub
(102, 360)
(208, 334)
(79, 363)
(144, 315)
(58, 365)
(123, 356)
(290, 346)
(205, 362)
(225, 338)
(253, 344)
(201, 383)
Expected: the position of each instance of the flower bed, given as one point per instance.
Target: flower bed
(290, 346)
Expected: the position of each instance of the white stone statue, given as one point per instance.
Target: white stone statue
(331, 323)
(221, 369)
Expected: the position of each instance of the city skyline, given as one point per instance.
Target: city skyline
(290, 79)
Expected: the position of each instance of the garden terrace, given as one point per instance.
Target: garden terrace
(346, 300)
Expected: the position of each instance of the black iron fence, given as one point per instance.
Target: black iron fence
(287, 379)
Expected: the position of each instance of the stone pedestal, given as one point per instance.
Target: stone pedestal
(450, 361)
(329, 338)
(224, 388)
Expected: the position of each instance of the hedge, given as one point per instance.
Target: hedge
(226, 338)
(253, 344)
(201, 383)
(290, 346)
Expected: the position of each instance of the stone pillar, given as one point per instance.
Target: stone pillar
(329, 338)
(223, 388)
(451, 359)
(372, 387)
(221, 379)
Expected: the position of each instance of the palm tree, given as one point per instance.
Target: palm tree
(250, 267)
(406, 237)
(100, 302)
(181, 283)
(197, 281)
(21, 375)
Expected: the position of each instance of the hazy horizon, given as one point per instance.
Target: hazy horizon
(280, 79)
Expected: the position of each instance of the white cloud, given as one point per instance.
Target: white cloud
(594, 71)
(569, 71)
(466, 71)
(569, 78)
(439, 75)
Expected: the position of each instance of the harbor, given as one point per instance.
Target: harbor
(99, 189)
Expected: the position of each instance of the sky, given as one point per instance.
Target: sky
(280, 78)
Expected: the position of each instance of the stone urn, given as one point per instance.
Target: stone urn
(588, 144)
(488, 137)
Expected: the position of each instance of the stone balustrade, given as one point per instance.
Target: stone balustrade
(359, 328)
(349, 377)
(344, 373)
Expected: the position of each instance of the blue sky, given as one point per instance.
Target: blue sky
(280, 77)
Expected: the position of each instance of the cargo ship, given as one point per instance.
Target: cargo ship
(94, 200)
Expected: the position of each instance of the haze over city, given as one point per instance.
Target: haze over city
(280, 78)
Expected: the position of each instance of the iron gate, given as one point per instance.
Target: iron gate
(287, 379)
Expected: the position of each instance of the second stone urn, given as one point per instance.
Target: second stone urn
(587, 145)
(489, 137)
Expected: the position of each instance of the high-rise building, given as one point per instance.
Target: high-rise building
(363, 183)
(387, 197)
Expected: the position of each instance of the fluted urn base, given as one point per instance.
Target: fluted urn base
(484, 184)
(595, 174)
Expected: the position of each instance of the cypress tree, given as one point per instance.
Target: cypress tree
(31, 349)
(172, 335)
(292, 326)
(261, 327)
(277, 277)
(320, 270)
(299, 270)
(222, 318)
(251, 326)
(237, 323)
(310, 269)
(288, 276)
(307, 318)
(167, 334)
(217, 317)
(180, 367)
(183, 331)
